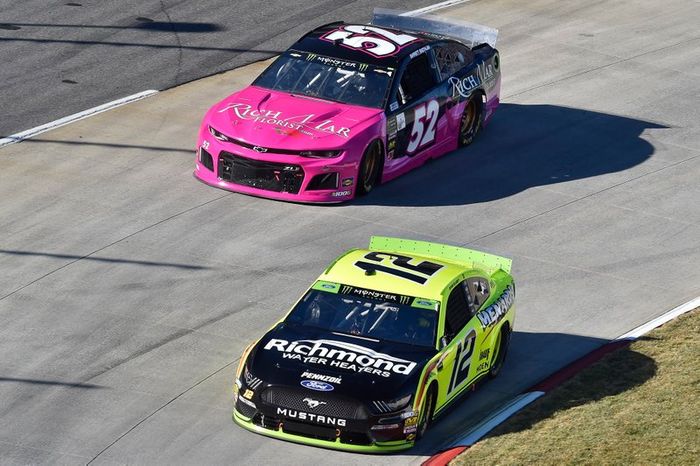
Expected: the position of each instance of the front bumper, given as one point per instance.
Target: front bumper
(376, 447)
(283, 177)
(320, 429)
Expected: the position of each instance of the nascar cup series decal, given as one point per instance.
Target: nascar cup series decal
(305, 123)
(347, 356)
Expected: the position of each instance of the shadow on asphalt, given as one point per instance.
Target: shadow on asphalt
(524, 146)
(632, 369)
(533, 357)
(49, 383)
(112, 260)
(141, 23)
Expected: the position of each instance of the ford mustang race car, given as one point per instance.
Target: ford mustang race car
(349, 106)
(380, 345)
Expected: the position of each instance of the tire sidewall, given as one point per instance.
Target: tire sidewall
(426, 414)
(361, 190)
(502, 352)
(476, 97)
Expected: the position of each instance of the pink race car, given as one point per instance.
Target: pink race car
(349, 106)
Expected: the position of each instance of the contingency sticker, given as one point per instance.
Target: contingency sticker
(401, 121)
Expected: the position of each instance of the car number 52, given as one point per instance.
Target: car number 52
(423, 131)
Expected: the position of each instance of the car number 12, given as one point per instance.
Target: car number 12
(424, 121)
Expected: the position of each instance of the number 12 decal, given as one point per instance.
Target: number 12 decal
(418, 273)
(463, 359)
(424, 120)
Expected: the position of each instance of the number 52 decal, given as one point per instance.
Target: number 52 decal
(423, 131)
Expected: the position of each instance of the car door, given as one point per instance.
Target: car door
(415, 108)
(460, 345)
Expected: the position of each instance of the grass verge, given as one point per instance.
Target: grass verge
(637, 405)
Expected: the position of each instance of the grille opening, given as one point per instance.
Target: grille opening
(309, 430)
(323, 181)
(244, 409)
(206, 159)
(267, 422)
(270, 176)
(332, 405)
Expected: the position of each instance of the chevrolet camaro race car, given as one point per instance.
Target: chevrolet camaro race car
(381, 344)
(349, 106)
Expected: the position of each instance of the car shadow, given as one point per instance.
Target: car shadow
(532, 358)
(524, 146)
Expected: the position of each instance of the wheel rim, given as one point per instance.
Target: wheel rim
(468, 123)
(369, 169)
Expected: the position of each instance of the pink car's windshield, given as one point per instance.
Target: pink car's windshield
(327, 78)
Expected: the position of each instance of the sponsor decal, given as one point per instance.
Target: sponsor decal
(305, 123)
(482, 367)
(317, 385)
(341, 193)
(341, 355)
(337, 62)
(410, 436)
(464, 86)
(393, 106)
(411, 421)
(419, 51)
(348, 181)
(495, 312)
(311, 403)
(321, 377)
(248, 394)
(485, 353)
(425, 303)
(409, 430)
(373, 294)
(484, 73)
(317, 418)
(400, 121)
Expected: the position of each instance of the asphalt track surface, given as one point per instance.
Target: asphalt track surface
(128, 289)
(61, 57)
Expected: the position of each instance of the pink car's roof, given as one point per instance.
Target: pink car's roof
(280, 120)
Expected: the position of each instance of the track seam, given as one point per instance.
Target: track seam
(159, 409)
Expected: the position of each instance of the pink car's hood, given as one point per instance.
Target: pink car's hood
(280, 120)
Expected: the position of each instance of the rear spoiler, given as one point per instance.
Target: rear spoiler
(469, 34)
(455, 254)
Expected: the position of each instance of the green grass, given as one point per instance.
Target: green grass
(637, 405)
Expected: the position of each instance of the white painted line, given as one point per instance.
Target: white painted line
(75, 117)
(495, 418)
(19, 137)
(436, 6)
(659, 321)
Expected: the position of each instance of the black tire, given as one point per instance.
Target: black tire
(426, 414)
(501, 351)
(370, 168)
(472, 117)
